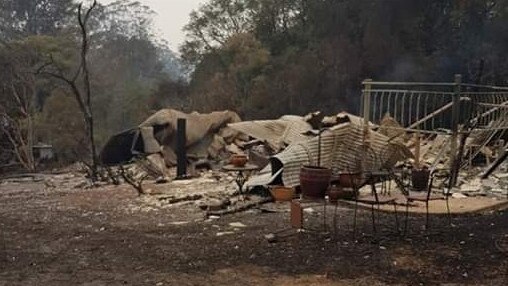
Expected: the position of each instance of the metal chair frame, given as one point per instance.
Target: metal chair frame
(429, 197)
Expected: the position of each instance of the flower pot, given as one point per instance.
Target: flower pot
(314, 181)
(420, 179)
(281, 193)
(238, 160)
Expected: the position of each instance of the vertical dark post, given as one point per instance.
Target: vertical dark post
(319, 146)
(181, 154)
(366, 119)
(366, 109)
(455, 127)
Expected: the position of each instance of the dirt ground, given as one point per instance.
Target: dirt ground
(105, 236)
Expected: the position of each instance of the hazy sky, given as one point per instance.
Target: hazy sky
(172, 15)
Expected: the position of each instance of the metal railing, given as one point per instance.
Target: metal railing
(446, 108)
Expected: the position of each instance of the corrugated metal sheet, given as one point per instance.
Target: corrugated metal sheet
(277, 133)
(341, 150)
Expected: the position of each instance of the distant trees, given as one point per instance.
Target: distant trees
(21, 18)
(17, 87)
(126, 65)
(320, 51)
(262, 58)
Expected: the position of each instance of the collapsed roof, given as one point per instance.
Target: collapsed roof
(342, 150)
(206, 135)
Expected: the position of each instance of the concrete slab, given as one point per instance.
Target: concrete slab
(457, 206)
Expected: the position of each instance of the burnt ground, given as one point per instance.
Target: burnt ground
(100, 237)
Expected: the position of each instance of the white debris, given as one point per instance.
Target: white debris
(224, 233)
(490, 183)
(472, 186)
(501, 175)
(237, 224)
(179, 222)
(458, 196)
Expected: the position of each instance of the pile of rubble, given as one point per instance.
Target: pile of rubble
(280, 147)
(494, 186)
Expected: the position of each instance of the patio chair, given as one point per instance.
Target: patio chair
(425, 194)
(374, 199)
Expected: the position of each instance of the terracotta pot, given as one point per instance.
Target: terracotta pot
(281, 193)
(314, 181)
(350, 180)
(238, 160)
(420, 179)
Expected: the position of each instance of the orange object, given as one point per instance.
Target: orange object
(238, 160)
(282, 194)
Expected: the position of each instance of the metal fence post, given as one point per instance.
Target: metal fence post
(455, 122)
(366, 109)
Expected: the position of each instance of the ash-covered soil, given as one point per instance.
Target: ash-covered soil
(106, 236)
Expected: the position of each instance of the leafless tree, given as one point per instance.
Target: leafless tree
(16, 110)
(82, 92)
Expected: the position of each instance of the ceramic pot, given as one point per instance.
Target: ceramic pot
(238, 160)
(314, 181)
(281, 193)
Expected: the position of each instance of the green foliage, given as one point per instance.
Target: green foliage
(130, 68)
(21, 18)
(320, 51)
(229, 82)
